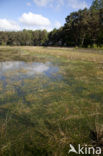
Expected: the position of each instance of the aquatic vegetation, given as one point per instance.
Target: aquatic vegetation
(49, 98)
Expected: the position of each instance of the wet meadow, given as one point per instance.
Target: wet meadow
(50, 98)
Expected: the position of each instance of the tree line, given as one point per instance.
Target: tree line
(25, 37)
(82, 28)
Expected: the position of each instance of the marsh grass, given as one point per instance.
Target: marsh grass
(42, 116)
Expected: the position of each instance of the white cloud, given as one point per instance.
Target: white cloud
(42, 2)
(7, 25)
(29, 21)
(77, 4)
(28, 4)
(32, 20)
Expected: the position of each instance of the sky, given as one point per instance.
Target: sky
(17, 15)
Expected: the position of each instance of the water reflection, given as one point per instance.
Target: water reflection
(25, 70)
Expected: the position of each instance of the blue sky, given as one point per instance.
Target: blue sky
(37, 14)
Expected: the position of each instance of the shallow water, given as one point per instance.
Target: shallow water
(17, 70)
(18, 79)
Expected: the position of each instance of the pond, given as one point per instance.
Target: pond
(18, 79)
(18, 70)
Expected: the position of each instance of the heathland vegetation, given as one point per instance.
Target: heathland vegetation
(83, 28)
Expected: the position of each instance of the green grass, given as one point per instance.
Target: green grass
(49, 115)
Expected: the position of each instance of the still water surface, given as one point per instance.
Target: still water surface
(23, 70)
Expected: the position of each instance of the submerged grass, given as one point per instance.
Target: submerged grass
(42, 116)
